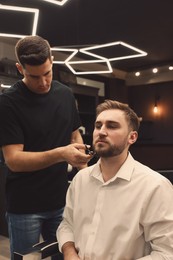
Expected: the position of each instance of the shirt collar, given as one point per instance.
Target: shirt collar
(125, 172)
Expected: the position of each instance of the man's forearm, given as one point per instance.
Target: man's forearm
(22, 161)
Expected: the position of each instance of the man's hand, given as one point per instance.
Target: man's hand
(75, 155)
(69, 251)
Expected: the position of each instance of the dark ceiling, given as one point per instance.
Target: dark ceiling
(144, 24)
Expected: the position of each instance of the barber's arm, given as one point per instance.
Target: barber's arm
(77, 138)
(19, 160)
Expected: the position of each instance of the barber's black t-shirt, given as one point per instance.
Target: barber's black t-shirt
(40, 122)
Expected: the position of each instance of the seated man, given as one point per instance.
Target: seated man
(118, 208)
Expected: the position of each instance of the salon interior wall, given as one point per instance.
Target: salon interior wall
(7, 51)
(142, 99)
(7, 62)
(155, 147)
(155, 144)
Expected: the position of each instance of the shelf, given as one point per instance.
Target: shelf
(85, 90)
(87, 100)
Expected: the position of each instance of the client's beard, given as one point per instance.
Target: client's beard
(111, 151)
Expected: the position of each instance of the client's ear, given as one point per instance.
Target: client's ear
(133, 136)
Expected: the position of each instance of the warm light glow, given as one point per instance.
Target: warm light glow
(137, 74)
(21, 9)
(56, 2)
(170, 67)
(155, 70)
(155, 109)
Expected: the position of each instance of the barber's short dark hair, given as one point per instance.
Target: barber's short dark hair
(131, 116)
(32, 50)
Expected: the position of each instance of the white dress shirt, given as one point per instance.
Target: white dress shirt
(128, 217)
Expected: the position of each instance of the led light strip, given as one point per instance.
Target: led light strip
(109, 70)
(100, 58)
(56, 2)
(21, 9)
(74, 51)
(139, 52)
(68, 62)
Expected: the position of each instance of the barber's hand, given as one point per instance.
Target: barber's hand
(75, 155)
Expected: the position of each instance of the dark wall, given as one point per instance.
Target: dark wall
(155, 143)
(160, 125)
(155, 128)
(156, 156)
(116, 89)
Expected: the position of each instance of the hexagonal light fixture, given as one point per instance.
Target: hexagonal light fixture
(139, 53)
(56, 2)
(85, 62)
(100, 58)
(65, 50)
(69, 63)
(18, 10)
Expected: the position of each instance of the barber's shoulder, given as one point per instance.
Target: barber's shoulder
(60, 84)
(12, 88)
(60, 87)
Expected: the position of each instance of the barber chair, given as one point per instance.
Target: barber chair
(43, 250)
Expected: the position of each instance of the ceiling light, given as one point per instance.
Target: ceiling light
(139, 52)
(56, 2)
(21, 9)
(155, 70)
(63, 60)
(108, 70)
(99, 58)
(170, 67)
(69, 63)
(137, 74)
